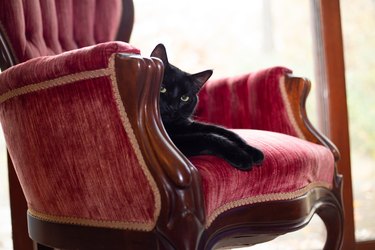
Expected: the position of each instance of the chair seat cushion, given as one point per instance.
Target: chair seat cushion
(291, 167)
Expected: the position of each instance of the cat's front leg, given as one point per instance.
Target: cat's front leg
(255, 154)
(193, 144)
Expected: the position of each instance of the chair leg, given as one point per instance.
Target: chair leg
(38, 246)
(332, 216)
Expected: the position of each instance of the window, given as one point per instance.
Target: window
(358, 20)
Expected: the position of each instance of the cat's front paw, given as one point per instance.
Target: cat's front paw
(244, 166)
(255, 154)
(241, 160)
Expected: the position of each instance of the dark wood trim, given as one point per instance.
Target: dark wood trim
(333, 112)
(65, 236)
(18, 209)
(127, 21)
(298, 88)
(248, 226)
(251, 224)
(365, 245)
(182, 208)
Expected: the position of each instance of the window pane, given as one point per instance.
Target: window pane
(358, 21)
(235, 38)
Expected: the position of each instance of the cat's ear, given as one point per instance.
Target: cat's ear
(201, 78)
(161, 53)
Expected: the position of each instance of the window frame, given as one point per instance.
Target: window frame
(332, 104)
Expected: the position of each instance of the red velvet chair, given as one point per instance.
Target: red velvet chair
(82, 126)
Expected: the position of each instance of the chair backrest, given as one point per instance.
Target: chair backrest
(66, 130)
(35, 28)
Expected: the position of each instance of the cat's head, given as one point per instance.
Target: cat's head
(179, 90)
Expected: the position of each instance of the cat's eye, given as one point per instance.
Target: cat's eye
(163, 90)
(185, 98)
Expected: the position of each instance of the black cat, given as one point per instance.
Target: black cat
(178, 99)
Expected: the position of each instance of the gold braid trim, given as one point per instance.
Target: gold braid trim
(133, 140)
(54, 82)
(288, 108)
(264, 198)
(90, 222)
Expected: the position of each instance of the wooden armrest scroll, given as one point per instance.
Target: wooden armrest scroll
(139, 80)
(297, 89)
(138, 77)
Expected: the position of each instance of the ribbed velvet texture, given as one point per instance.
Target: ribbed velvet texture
(68, 145)
(252, 104)
(251, 101)
(47, 27)
(290, 164)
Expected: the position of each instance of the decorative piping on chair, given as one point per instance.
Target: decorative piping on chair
(264, 198)
(288, 108)
(111, 73)
(90, 222)
(133, 140)
(54, 83)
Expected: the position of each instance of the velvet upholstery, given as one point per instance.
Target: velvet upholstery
(49, 27)
(256, 102)
(66, 138)
(291, 167)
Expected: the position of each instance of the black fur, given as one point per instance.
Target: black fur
(178, 99)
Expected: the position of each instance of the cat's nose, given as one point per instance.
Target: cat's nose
(174, 110)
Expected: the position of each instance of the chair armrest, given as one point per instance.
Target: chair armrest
(91, 117)
(296, 90)
(20, 76)
(271, 99)
(139, 81)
